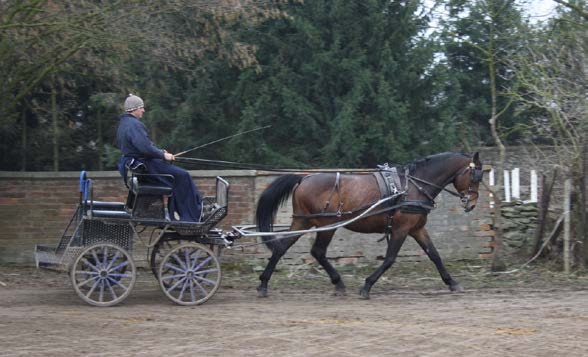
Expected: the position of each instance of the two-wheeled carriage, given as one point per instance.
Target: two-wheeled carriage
(96, 246)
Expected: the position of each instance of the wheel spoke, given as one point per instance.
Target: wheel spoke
(105, 256)
(96, 259)
(204, 291)
(112, 292)
(173, 277)
(211, 282)
(93, 288)
(92, 266)
(173, 287)
(117, 283)
(179, 261)
(174, 267)
(187, 259)
(184, 286)
(112, 261)
(121, 265)
(101, 294)
(203, 263)
(192, 292)
(206, 271)
(120, 275)
(196, 255)
(83, 283)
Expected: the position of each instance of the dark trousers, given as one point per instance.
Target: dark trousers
(185, 200)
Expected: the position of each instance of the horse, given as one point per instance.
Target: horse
(324, 199)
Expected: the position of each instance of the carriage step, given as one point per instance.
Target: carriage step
(47, 257)
(110, 214)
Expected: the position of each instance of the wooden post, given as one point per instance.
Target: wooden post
(567, 225)
(534, 196)
(516, 184)
(506, 186)
(491, 183)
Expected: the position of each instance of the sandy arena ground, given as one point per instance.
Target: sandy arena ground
(532, 313)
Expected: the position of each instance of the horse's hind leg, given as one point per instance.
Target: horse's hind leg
(279, 248)
(319, 252)
(423, 239)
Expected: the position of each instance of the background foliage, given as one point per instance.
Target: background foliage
(343, 83)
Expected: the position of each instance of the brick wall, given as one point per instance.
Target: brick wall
(35, 208)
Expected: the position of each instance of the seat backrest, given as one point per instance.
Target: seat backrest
(222, 192)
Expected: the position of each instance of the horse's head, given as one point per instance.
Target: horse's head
(467, 182)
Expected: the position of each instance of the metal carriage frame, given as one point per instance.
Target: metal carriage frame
(97, 243)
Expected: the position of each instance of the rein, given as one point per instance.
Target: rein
(409, 178)
(247, 166)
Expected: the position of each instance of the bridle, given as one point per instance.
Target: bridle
(476, 175)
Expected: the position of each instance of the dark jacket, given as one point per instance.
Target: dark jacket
(134, 142)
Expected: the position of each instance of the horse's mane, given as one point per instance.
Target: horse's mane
(436, 158)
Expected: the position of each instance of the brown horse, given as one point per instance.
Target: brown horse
(323, 199)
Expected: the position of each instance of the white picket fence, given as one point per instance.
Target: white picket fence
(512, 186)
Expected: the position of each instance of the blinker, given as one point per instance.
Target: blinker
(477, 175)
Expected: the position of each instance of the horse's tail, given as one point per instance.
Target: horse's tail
(270, 201)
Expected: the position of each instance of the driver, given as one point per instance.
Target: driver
(185, 203)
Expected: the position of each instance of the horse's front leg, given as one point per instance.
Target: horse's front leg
(422, 237)
(319, 252)
(397, 238)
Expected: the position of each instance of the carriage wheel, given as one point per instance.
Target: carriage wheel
(190, 274)
(103, 274)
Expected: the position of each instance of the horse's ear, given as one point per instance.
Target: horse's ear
(476, 158)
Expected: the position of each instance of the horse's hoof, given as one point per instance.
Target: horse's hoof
(340, 292)
(364, 294)
(456, 288)
(261, 292)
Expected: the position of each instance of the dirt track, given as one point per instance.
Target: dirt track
(408, 315)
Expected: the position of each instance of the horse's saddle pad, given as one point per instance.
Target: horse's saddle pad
(388, 181)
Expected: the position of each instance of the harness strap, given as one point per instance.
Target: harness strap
(333, 190)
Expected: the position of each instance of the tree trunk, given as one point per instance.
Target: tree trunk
(583, 234)
(23, 149)
(543, 210)
(55, 126)
(100, 141)
(497, 263)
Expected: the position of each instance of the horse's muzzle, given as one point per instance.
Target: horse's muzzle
(468, 209)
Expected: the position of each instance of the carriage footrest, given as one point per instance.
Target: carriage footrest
(111, 214)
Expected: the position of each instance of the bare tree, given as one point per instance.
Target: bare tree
(552, 73)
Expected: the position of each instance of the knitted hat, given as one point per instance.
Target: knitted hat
(133, 102)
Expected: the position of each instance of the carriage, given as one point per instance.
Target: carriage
(96, 246)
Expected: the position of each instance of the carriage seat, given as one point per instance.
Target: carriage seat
(104, 205)
(110, 214)
(144, 188)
